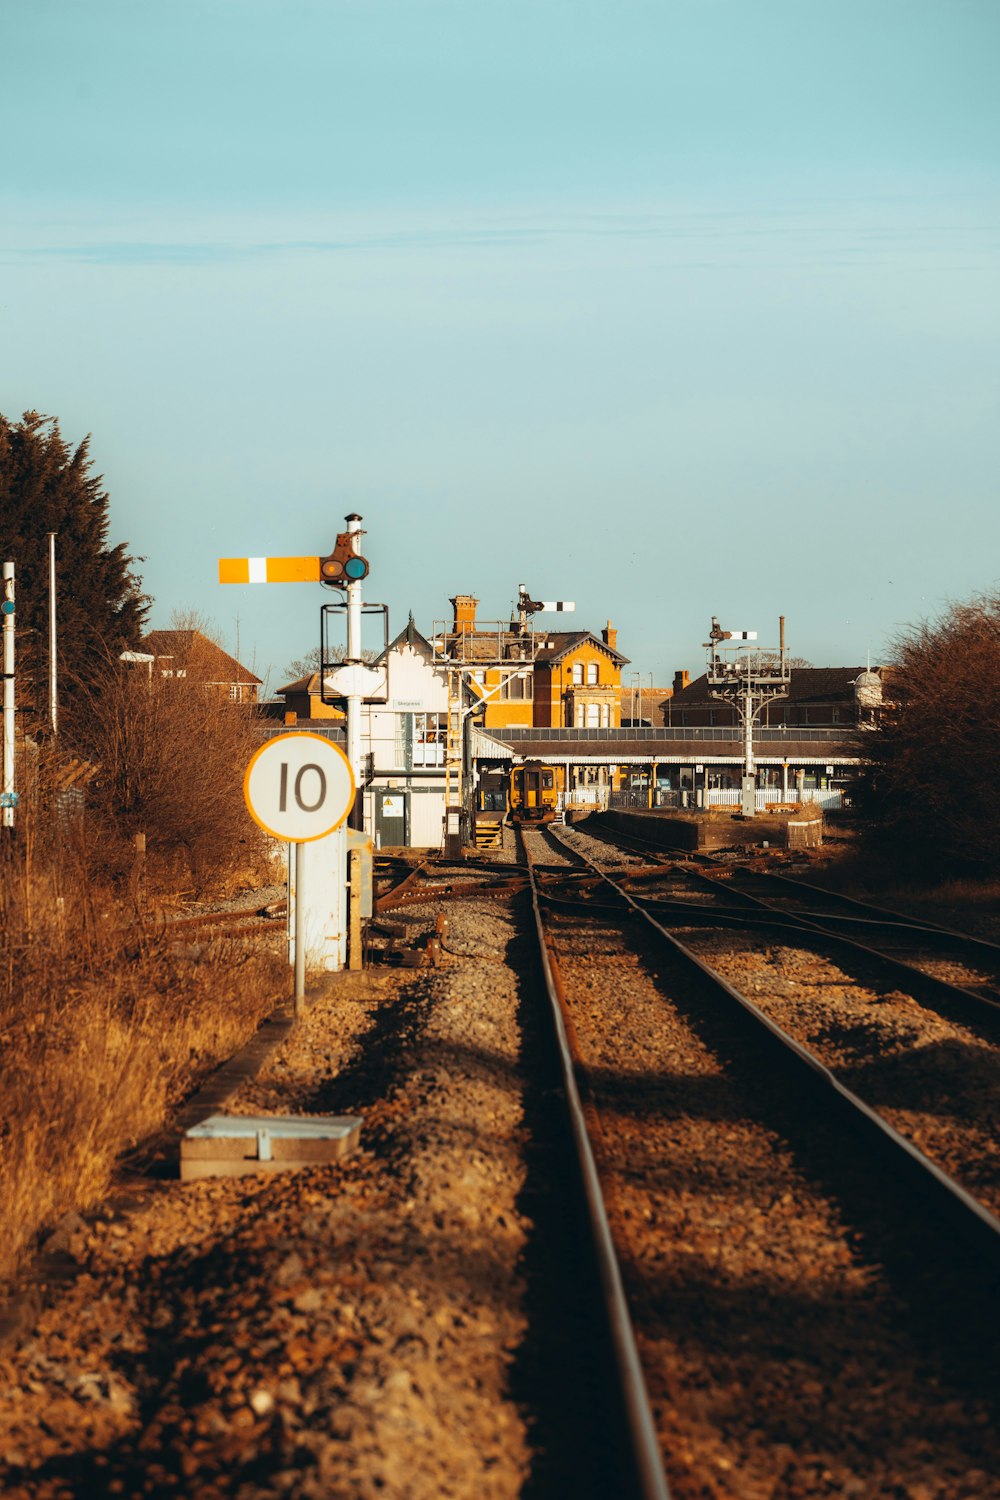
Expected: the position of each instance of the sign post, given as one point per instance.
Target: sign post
(299, 787)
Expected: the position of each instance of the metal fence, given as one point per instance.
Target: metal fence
(730, 733)
(830, 799)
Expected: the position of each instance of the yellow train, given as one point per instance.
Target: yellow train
(534, 792)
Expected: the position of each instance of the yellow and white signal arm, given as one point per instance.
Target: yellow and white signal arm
(269, 569)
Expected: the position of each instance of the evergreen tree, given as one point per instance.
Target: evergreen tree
(101, 609)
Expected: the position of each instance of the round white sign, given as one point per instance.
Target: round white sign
(299, 787)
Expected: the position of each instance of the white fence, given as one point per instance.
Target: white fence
(584, 796)
(770, 795)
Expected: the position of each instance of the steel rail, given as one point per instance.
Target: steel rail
(239, 919)
(863, 908)
(646, 1455)
(807, 921)
(812, 922)
(859, 911)
(393, 896)
(979, 1228)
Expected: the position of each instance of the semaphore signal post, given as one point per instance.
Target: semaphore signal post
(300, 799)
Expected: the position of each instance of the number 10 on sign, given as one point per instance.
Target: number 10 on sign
(299, 787)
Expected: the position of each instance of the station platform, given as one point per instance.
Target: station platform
(702, 830)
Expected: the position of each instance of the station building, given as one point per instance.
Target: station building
(403, 728)
(557, 697)
(807, 747)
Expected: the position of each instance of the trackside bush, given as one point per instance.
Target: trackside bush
(931, 792)
(172, 755)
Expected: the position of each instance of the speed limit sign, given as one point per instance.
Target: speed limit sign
(299, 787)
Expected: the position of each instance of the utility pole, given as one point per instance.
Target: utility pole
(8, 800)
(53, 659)
(748, 681)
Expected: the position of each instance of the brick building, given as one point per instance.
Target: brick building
(192, 656)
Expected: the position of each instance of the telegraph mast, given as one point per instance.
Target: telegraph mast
(747, 679)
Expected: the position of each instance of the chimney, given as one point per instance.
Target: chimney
(464, 606)
(681, 680)
(610, 636)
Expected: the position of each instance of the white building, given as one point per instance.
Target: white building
(405, 738)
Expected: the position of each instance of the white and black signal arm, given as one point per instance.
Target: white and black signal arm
(717, 634)
(528, 606)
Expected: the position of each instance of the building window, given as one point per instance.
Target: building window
(592, 674)
(578, 674)
(517, 687)
(593, 716)
(428, 735)
(234, 691)
(605, 715)
(580, 716)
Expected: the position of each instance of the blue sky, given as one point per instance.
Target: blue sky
(671, 308)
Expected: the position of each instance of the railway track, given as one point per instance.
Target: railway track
(653, 1031)
(423, 1315)
(921, 1049)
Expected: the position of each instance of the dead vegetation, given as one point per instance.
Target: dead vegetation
(106, 1019)
(171, 755)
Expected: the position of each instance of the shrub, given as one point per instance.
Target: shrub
(930, 791)
(104, 1027)
(172, 756)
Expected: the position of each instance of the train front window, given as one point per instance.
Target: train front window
(547, 781)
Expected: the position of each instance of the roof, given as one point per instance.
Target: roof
(559, 643)
(199, 656)
(492, 646)
(409, 636)
(646, 701)
(637, 747)
(307, 684)
(807, 685)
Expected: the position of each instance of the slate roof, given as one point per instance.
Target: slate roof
(808, 685)
(640, 746)
(560, 643)
(197, 655)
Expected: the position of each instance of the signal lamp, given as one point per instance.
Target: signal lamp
(344, 565)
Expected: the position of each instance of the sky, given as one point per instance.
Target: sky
(669, 307)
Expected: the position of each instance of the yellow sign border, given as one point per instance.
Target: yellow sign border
(300, 734)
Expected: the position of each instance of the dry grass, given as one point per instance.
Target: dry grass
(104, 1026)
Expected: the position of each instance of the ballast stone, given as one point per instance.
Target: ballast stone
(231, 1145)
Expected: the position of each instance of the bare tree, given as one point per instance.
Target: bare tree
(305, 666)
(931, 789)
(184, 618)
(172, 755)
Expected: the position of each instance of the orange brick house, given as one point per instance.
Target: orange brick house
(189, 654)
(538, 678)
